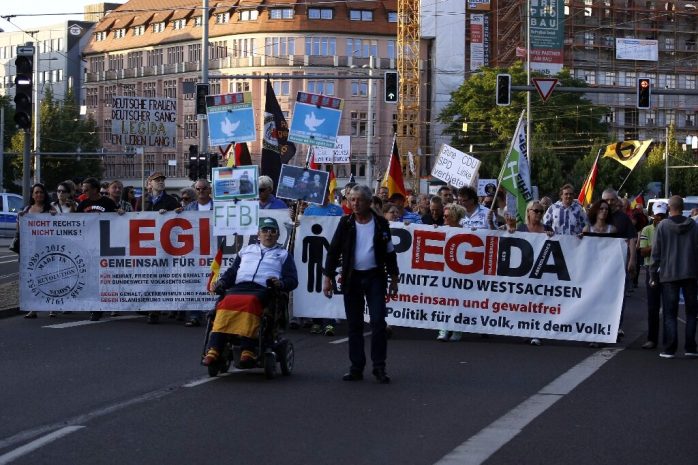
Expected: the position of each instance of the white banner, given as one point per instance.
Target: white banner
(339, 154)
(637, 49)
(143, 121)
(137, 261)
(492, 282)
(235, 217)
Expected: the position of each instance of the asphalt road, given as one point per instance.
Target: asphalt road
(9, 262)
(123, 392)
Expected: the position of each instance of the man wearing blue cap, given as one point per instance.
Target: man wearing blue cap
(256, 268)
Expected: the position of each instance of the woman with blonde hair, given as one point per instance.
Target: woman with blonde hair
(453, 213)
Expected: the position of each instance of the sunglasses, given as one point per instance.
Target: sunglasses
(536, 210)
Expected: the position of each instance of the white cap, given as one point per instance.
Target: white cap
(659, 208)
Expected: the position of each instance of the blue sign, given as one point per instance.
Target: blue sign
(230, 118)
(316, 120)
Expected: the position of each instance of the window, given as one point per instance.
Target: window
(100, 36)
(170, 88)
(129, 90)
(362, 48)
(158, 27)
(607, 78)
(690, 119)
(116, 62)
(119, 33)
(630, 79)
(198, 21)
(320, 46)
(320, 13)
(281, 13)
(243, 48)
(222, 18)
(134, 59)
(359, 123)
(155, 57)
(218, 50)
(214, 87)
(359, 88)
(109, 93)
(588, 40)
(249, 15)
(587, 7)
(239, 86)
(92, 97)
(175, 55)
(282, 87)
(671, 81)
(669, 43)
(320, 87)
(191, 128)
(149, 89)
(392, 16)
(107, 131)
(139, 30)
(189, 83)
(96, 64)
(194, 53)
(690, 81)
(361, 15)
(670, 117)
(690, 44)
(650, 118)
(279, 46)
(178, 24)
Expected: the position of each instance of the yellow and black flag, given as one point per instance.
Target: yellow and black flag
(628, 152)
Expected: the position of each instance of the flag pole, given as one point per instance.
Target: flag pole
(626, 178)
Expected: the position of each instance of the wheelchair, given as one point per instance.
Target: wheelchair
(272, 347)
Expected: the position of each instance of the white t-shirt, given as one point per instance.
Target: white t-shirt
(205, 207)
(364, 256)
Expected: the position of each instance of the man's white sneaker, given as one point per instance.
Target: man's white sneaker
(691, 355)
(443, 336)
(666, 355)
(456, 336)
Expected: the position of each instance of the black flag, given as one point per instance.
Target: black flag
(276, 149)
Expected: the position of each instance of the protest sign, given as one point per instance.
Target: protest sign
(235, 217)
(137, 261)
(492, 282)
(297, 183)
(316, 119)
(143, 121)
(339, 154)
(486, 187)
(230, 118)
(455, 167)
(231, 183)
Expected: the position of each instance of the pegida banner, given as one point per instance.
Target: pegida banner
(513, 284)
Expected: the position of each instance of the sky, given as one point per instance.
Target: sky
(44, 12)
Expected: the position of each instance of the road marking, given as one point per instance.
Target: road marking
(74, 324)
(15, 260)
(199, 382)
(345, 339)
(490, 439)
(36, 444)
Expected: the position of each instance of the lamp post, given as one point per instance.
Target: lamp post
(369, 136)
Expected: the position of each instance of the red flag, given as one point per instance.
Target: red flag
(393, 175)
(215, 268)
(588, 188)
(639, 200)
(311, 164)
(242, 154)
(332, 183)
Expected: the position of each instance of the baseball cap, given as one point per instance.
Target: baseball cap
(267, 222)
(155, 175)
(659, 208)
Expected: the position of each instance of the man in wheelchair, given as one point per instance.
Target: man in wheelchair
(257, 272)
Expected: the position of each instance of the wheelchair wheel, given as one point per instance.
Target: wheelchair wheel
(286, 357)
(269, 365)
(225, 359)
(213, 369)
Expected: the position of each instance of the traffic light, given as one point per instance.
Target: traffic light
(503, 90)
(193, 162)
(213, 160)
(24, 66)
(391, 86)
(644, 92)
(201, 93)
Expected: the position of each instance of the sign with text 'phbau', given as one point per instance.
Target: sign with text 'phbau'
(455, 167)
(143, 122)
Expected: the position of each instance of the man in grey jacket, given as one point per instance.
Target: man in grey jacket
(675, 266)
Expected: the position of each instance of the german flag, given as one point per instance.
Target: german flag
(393, 175)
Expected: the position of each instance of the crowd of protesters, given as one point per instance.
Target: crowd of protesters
(610, 216)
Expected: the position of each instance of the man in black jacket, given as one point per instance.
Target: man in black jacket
(158, 200)
(363, 243)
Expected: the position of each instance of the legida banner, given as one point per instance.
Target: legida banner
(492, 282)
(135, 261)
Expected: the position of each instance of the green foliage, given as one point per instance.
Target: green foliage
(62, 130)
(565, 129)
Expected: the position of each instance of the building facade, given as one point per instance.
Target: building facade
(143, 49)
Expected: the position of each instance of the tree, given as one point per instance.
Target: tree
(10, 129)
(62, 130)
(564, 128)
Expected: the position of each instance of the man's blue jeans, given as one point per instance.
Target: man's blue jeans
(670, 298)
(366, 287)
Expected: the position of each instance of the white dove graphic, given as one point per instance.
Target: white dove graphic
(229, 128)
(311, 122)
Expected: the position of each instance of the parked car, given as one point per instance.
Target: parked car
(10, 206)
(689, 203)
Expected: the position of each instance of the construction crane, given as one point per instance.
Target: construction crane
(408, 127)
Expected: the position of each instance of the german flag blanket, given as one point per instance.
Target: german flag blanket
(238, 314)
